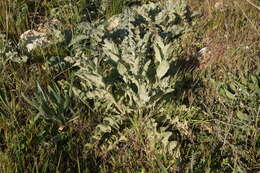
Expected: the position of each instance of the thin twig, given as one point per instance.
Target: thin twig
(253, 4)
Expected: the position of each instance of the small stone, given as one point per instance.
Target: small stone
(33, 39)
(61, 128)
(219, 6)
(113, 24)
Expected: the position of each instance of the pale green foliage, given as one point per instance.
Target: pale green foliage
(128, 71)
(8, 52)
(159, 140)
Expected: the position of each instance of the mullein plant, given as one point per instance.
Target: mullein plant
(125, 66)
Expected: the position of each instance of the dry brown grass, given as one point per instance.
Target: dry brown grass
(231, 29)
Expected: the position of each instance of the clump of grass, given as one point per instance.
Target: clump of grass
(115, 7)
(14, 21)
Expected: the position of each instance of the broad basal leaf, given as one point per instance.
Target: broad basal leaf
(162, 69)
